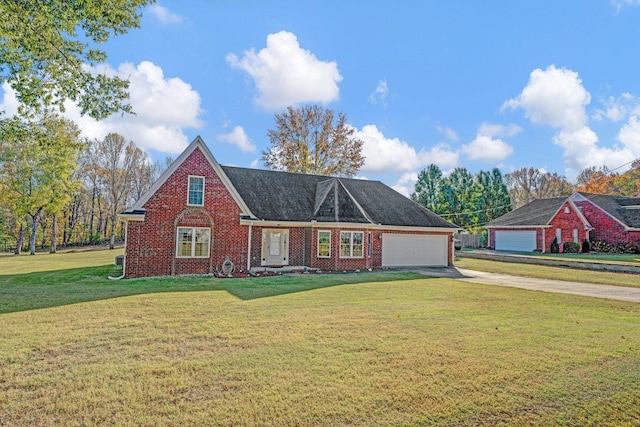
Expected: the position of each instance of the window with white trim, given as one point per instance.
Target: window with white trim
(195, 193)
(193, 242)
(324, 244)
(351, 244)
(559, 235)
(575, 235)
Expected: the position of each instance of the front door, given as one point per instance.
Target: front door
(275, 247)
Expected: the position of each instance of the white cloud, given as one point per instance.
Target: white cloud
(556, 97)
(616, 109)
(254, 164)
(449, 133)
(379, 96)
(488, 149)
(239, 138)
(406, 184)
(285, 74)
(163, 107)
(629, 135)
(553, 97)
(9, 104)
(164, 15)
(393, 155)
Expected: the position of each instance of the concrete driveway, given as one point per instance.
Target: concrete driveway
(598, 291)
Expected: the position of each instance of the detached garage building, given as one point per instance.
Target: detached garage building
(200, 216)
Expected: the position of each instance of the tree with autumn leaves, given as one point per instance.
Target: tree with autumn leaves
(313, 140)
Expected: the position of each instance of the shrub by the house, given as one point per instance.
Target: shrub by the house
(570, 247)
(555, 247)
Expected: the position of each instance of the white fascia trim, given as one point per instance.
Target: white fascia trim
(518, 226)
(196, 143)
(130, 217)
(357, 226)
(587, 224)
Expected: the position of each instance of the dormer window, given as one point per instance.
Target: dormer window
(195, 194)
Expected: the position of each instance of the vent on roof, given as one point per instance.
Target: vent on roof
(632, 207)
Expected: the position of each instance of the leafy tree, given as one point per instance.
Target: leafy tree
(466, 200)
(458, 195)
(45, 46)
(119, 165)
(491, 197)
(429, 189)
(596, 180)
(313, 140)
(530, 183)
(37, 161)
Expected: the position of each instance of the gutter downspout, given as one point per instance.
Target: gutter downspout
(249, 248)
(124, 259)
(544, 240)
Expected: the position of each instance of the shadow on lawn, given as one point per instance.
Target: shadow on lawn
(22, 292)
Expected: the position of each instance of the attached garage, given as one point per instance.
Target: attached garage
(412, 250)
(515, 240)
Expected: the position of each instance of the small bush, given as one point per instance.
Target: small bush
(570, 247)
(626, 248)
(601, 246)
(555, 247)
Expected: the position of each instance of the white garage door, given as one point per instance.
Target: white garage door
(512, 240)
(408, 250)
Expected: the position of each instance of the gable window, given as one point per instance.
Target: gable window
(324, 244)
(195, 196)
(193, 242)
(351, 243)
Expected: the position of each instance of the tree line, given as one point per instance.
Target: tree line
(471, 201)
(61, 189)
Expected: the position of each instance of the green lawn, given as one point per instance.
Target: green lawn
(547, 272)
(356, 349)
(633, 259)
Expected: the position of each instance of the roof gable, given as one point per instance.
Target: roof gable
(196, 144)
(620, 208)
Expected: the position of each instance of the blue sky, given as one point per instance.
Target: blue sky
(478, 84)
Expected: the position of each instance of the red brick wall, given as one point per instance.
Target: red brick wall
(567, 222)
(605, 227)
(151, 244)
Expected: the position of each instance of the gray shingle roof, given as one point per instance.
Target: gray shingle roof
(615, 206)
(284, 196)
(536, 213)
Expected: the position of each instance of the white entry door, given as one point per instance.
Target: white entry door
(275, 247)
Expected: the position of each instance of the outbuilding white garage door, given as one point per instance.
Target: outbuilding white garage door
(515, 240)
(408, 250)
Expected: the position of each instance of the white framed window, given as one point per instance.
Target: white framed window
(559, 235)
(193, 242)
(195, 193)
(351, 244)
(575, 235)
(324, 244)
(566, 209)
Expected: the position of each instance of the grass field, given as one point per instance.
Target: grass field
(547, 272)
(354, 349)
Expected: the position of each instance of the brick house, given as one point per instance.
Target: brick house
(579, 217)
(200, 214)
